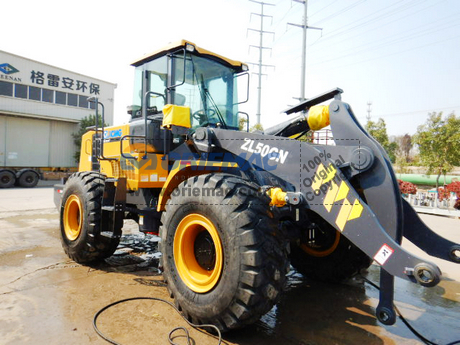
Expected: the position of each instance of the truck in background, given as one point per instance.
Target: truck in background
(29, 177)
(33, 149)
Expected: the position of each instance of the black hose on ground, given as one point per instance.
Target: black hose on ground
(170, 335)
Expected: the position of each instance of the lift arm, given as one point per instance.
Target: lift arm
(371, 219)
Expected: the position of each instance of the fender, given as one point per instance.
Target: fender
(183, 170)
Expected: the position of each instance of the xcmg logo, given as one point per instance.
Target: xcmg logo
(115, 133)
(6, 68)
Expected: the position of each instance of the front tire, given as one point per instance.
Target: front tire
(82, 235)
(224, 258)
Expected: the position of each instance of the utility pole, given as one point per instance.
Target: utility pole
(304, 26)
(261, 48)
(369, 109)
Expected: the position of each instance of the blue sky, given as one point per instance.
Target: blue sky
(402, 55)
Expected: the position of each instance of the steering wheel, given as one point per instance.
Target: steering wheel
(202, 114)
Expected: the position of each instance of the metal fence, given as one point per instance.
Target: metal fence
(428, 202)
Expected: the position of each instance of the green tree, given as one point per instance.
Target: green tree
(256, 127)
(242, 123)
(87, 121)
(405, 145)
(439, 143)
(402, 166)
(378, 130)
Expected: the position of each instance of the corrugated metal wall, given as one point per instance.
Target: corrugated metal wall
(62, 147)
(2, 140)
(28, 142)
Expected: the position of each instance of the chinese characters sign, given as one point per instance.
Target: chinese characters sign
(53, 80)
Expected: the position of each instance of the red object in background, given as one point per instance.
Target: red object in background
(454, 187)
(443, 193)
(457, 204)
(407, 187)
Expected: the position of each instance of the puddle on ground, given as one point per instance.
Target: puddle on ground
(308, 313)
(311, 312)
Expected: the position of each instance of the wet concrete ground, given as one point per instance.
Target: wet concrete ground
(45, 298)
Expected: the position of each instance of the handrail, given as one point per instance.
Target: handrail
(95, 100)
(121, 146)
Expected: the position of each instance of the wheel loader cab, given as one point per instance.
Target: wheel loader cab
(185, 75)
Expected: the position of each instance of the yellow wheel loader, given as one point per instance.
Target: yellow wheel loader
(234, 209)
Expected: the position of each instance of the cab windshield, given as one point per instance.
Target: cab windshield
(208, 87)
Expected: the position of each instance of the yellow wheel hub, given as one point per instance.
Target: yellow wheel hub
(198, 253)
(73, 217)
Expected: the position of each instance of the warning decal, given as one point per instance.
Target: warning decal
(383, 254)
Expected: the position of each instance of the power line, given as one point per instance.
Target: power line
(387, 41)
(335, 14)
(314, 14)
(373, 20)
(387, 55)
(372, 17)
(427, 28)
(277, 23)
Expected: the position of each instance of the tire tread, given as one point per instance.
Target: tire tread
(262, 249)
(97, 245)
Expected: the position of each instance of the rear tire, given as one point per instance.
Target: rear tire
(224, 259)
(28, 179)
(82, 236)
(328, 257)
(7, 179)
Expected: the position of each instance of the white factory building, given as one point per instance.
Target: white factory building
(40, 107)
